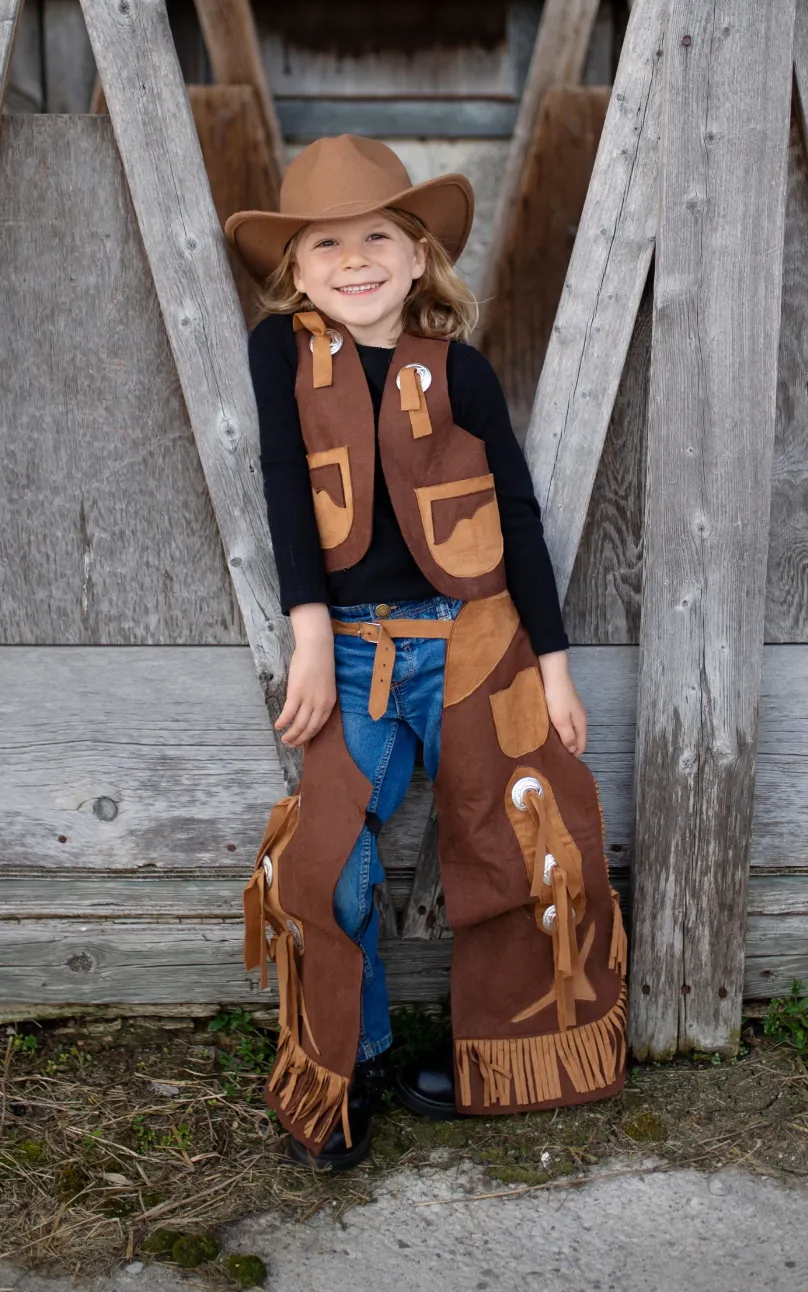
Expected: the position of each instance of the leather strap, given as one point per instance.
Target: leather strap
(382, 634)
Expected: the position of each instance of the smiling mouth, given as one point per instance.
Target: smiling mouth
(361, 289)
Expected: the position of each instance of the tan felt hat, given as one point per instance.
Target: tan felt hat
(343, 176)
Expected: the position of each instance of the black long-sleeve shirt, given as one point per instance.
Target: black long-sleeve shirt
(387, 572)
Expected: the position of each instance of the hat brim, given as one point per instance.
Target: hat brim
(444, 205)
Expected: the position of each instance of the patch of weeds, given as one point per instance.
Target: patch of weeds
(418, 1030)
(248, 1271)
(646, 1126)
(786, 1019)
(144, 1137)
(251, 1048)
(24, 1044)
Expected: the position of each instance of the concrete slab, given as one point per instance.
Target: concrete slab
(672, 1231)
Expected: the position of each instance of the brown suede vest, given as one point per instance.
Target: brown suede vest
(437, 474)
(539, 956)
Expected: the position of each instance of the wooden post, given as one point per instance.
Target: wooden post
(559, 56)
(232, 43)
(608, 269)
(9, 17)
(710, 437)
(163, 162)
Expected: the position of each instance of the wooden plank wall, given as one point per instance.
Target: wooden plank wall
(135, 780)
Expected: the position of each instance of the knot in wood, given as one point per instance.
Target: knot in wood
(687, 41)
(105, 808)
(80, 963)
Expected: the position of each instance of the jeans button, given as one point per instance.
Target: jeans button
(382, 611)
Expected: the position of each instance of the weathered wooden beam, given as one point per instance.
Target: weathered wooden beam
(520, 315)
(159, 147)
(559, 56)
(608, 269)
(232, 43)
(718, 277)
(800, 59)
(9, 17)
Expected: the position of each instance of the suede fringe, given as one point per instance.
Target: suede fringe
(307, 1092)
(618, 951)
(526, 1071)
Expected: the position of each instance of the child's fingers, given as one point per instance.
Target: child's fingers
(301, 720)
(288, 711)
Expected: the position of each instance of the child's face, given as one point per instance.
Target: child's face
(359, 272)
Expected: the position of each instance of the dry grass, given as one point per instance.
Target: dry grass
(94, 1156)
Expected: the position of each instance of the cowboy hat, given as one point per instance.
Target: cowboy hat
(343, 176)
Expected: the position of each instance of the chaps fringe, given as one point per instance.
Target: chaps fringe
(618, 951)
(525, 1071)
(308, 1092)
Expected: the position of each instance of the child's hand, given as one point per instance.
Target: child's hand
(311, 691)
(567, 714)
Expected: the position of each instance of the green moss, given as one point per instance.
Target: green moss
(248, 1271)
(70, 1182)
(33, 1150)
(518, 1175)
(160, 1242)
(192, 1250)
(646, 1126)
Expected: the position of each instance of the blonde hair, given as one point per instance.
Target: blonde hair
(439, 304)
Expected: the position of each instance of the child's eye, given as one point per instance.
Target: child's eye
(377, 235)
(325, 242)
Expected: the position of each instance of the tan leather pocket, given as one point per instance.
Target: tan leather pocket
(332, 490)
(461, 524)
(520, 714)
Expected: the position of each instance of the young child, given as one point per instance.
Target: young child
(411, 560)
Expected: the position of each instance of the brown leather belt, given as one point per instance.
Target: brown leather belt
(382, 634)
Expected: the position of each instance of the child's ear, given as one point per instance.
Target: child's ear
(421, 252)
(297, 278)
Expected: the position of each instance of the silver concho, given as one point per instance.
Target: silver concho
(549, 863)
(297, 936)
(548, 919)
(423, 373)
(269, 870)
(522, 787)
(336, 340)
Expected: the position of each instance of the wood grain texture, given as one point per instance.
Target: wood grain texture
(231, 39)
(162, 158)
(233, 141)
(105, 961)
(603, 601)
(54, 963)
(23, 83)
(596, 315)
(9, 18)
(532, 266)
(718, 277)
(558, 58)
(68, 57)
(787, 577)
(133, 759)
(107, 534)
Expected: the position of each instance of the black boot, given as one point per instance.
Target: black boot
(426, 1086)
(369, 1080)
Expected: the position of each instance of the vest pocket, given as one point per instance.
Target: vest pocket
(332, 490)
(520, 714)
(461, 525)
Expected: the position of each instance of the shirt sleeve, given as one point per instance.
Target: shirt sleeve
(479, 406)
(290, 511)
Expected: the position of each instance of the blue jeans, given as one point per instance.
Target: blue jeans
(384, 750)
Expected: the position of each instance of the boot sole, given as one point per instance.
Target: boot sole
(432, 1108)
(345, 1162)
